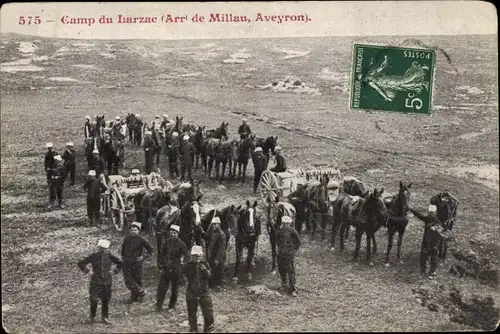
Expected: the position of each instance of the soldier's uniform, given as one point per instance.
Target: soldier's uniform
(56, 186)
(216, 254)
(149, 152)
(94, 187)
(49, 161)
(117, 130)
(132, 256)
(244, 130)
(257, 156)
(139, 123)
(431, 239)
(186, 153)
(87, 128)
(173, 150)
(169, 262)
(165, 121)
(96, 163)
(280, 161)
(197, 292)
(288, 242)
(101, 280)
(69, 162)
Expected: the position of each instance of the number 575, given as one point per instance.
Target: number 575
(29, 20)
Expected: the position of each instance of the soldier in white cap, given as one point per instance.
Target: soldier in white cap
(69, 162)
(186, 154)
(431, 240)
(88, 128)
(149, 152)
(49, 160)
(280, 161)
(165, 122)
(132, 255)
(138, 129)
(96, 162)
(260, 161)
(244, 129)
(198, 274)
(288, 243)
(216, 254)
(56, 184)
(94, 187)
(172, 251)
(101, 281)
(173, 151)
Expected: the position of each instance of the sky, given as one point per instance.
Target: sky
(324, 18)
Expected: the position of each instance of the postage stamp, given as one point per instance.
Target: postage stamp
(394, 79)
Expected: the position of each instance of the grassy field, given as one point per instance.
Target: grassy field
(46, 99)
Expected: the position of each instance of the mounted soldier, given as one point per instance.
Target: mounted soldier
(49, 160)
(280, 161)
(244, 130)
(69, 162)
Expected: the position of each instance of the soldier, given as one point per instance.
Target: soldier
(165, 122)
(172, 156)
(280, 161)
(117, 130)
(169, 263)
(216, 253)
(197, 293)
(132, 248)
(87, 128)
(244, 129)
(288, 242)
(139, 123)
(49, 160)
(96, 163)
(186, 153)
(57, 177)
(69, 162)
(101, 280)
(94, 187)
(149, 151)
(259, 159)
(430, 241)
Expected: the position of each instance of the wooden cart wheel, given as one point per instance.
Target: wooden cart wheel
(117, 209)
(269, 187)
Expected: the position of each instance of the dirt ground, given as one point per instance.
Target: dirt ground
(454, 149)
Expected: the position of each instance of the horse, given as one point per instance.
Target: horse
(147, 203)
(244, 150)
(367, 215)
(178, 124)
(100, 124)
(198, 144)
(268, 144)
(222, 132)
(188, 191)
(398, 207)
(247, 236)
(222, 153)
(447, 206)
(275, 212)
(189, 221)
(114, 150)
(260, 162)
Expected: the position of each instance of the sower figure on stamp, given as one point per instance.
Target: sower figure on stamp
(288, 242)
(431, 240)
(149, 151)
(69, 162)
(94, 187)
(169, 263)
(197, 292)
(173, 149)
(216, 254)
(56, 187)
(49, 160)
(132, 256)
(101, 280)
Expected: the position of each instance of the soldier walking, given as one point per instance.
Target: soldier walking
(56, 187)
(101, 280)
(173, 150)
(132, 249)
(431, 240)
(169, 263)
(186, 152)
(288, 242)
(49, 160)
(94, 187)
(216, 253)
(197, 292)
(69, 162)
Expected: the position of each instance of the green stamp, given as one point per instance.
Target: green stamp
(393, 79)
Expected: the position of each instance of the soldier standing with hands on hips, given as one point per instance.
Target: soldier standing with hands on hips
(197, 293)
(288, 242)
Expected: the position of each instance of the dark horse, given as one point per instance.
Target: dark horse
(268, 144)
(222, 153)
(247, 237)
(147, 203)
(447, 206)
(114, 151)
(189, 191)
(221, 132)
(367, 215)
(275, 212)
(260, 162)
(244, 150)
(134, 129)
(398, 207)
(190, 221)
